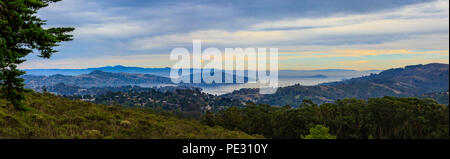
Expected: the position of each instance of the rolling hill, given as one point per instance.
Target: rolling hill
(165, 72)
(411, 81)
(53, 117)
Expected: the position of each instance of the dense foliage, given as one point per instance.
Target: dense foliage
(102, 79)
(21, 33)
(381, 118)
(411, 81)
(440, 97)
(54, 117)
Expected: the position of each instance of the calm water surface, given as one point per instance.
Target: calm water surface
(282, 82)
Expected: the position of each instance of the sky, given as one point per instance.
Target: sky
(309, 34)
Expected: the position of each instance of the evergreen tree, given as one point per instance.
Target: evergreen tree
(21, 33)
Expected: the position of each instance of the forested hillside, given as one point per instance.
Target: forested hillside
(94, 79)
(52, 117)
(411, 81)
(191, 103)
(440, 97)
(379, 118)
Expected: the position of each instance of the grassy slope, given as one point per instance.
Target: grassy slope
(53, 117)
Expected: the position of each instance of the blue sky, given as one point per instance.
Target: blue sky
(310, 34)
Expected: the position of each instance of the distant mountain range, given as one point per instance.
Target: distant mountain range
(116, 76)
(440, 97)
(411, 81)
(66, 84)
(165, 72)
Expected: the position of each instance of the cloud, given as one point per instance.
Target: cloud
(418, 61)
(153, 60)
(359, 53)
(309, 29)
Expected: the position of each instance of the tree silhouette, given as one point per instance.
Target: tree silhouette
(319, 132)
(22, 33)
